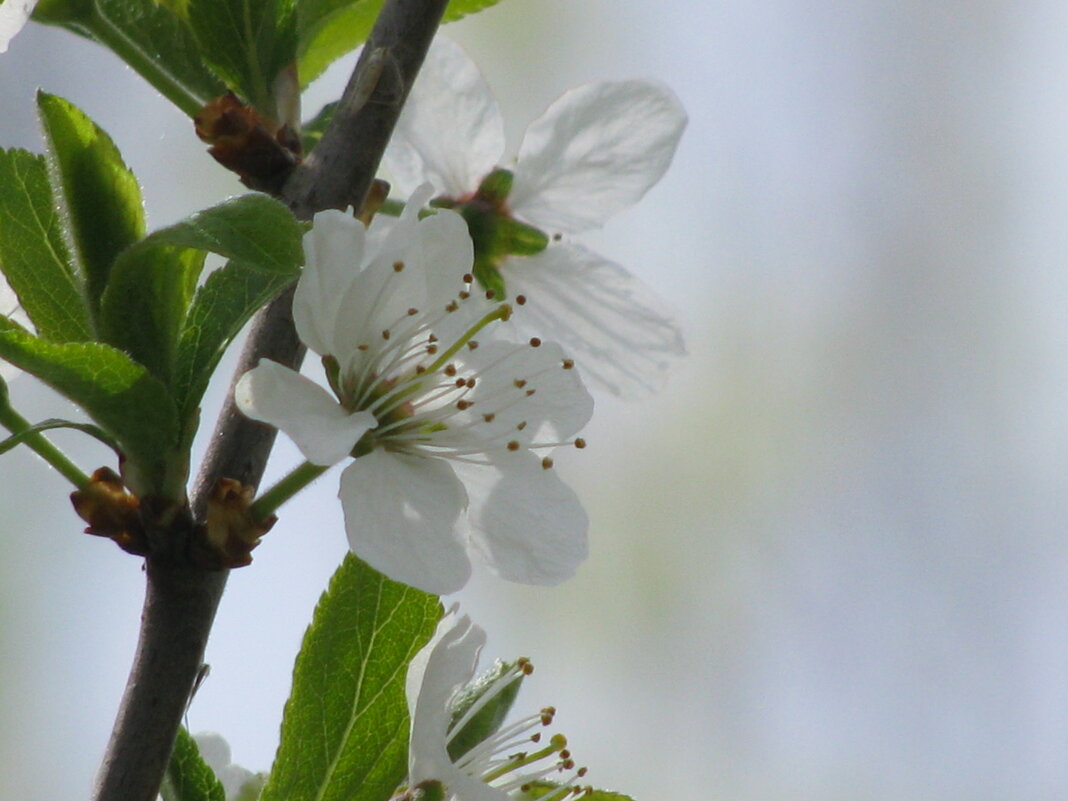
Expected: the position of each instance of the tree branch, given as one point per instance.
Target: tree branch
(181, 599)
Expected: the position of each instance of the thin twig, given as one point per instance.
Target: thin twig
(181, 599)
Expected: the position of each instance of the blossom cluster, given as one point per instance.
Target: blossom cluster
(443, 397)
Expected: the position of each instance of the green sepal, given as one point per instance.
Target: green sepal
(345, 726)
(248, 43)
(144, 307)
(189, 777)
(490, 717)
(149, 36)
(33, 251)
(489, 277)
(515, 238)
(53, 423)
(116, 392)
(98, 196)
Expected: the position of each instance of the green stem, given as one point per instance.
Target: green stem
(289, 485)
(17, 424)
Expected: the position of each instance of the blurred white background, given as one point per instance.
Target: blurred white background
(830, 560)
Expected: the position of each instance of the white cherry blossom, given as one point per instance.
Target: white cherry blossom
(594, 152)
(450, 428)
(498, 768)
(13, 16)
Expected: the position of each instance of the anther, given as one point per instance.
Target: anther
(413, 312)
(385, 334)
(462, 405)
(521, 426)
(432, 338)
(490, 294)
(513, 445)
(464, 295)
(580, 443)
(520, 383)
(461, 382)
(361, 347)
(453, 306)
(398, 266)
(488, 417)
(468, 278)
(470, 383)
(431, 349)
(420, 369)
(472, 344)
(569, 364)
(450, 370)
(546, 463)
(557, 237)
(530, 392)
(520, 299)
(535, 342)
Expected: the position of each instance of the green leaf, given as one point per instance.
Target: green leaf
(33, 254)
(345, 727)
(492, 714)
(144, 307)
(254, 229)
(53, 423)
(115, 391)
(222, 306)
(328, 29)
(149, 36)
(189, 777)
(98, 195)
(248, 43)
(540, 789)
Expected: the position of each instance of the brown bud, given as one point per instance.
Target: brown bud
(111, 511)
(231, 532)
(262, 153)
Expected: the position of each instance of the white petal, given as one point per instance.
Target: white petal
(527, 524)
(323, 430)
(402, 515)
(615, 327)
(528, 391)
(333, 252)
(441, 667)
(13, 15)
(594, 152)
(450, 132)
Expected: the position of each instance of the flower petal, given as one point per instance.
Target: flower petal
(323, 430)
(594, 152)
(450, 132)
(441, 667)
(528, 393)
(13, 16)
(333, 252)
(527, 524)
(615, 327)
(402, 515)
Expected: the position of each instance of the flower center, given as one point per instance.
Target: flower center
(496, 234)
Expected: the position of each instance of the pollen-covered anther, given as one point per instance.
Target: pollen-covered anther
(431, 349)
(513, 445)
(412, 312)
(385, 334)
(569, 364)
(489, 417)
(464, 294)
(397, 266)
(470, 383)
(452, 306)
(472, 345)
(432, 338)
(461, 383)
(530, 392)
(535, 342)
(362, 347)
(546, 463)
(520, 383)
(450, 370)
(520, 300)
(490, 294)
(547, 715)
(463, 405)
(524, 665)
(468, 278)
(521, 425)
(580, 443)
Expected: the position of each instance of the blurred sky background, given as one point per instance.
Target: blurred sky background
(830, 560)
